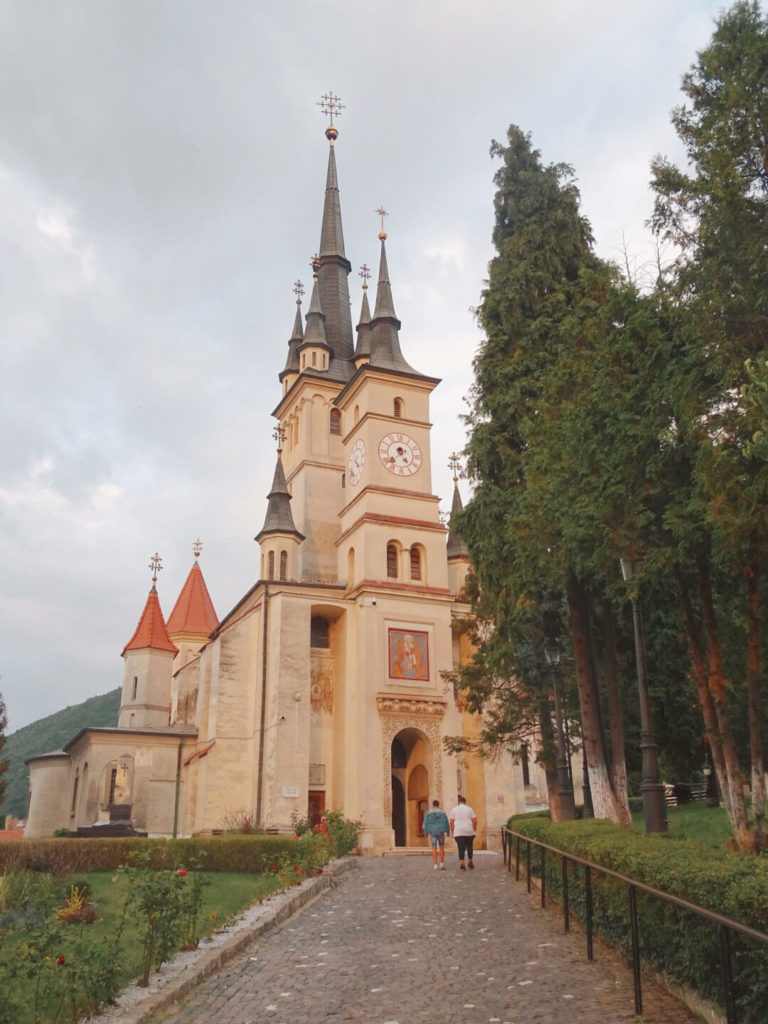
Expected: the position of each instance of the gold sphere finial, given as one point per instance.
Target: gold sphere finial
(382, 213)
(331, 133)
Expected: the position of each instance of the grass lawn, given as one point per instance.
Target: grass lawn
(708, 826)
(227, 895)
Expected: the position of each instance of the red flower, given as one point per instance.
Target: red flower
(61, 961)
(213, 916)
(272, 867)
(182, 872)
(295, 867)
(319, 871)
(295, 837)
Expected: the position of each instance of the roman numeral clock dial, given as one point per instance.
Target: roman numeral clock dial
(400, 454)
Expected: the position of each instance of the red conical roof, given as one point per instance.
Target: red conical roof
(193, 611)
(151, 631)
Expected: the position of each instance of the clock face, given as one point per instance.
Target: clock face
(356, 461)
(400, 454)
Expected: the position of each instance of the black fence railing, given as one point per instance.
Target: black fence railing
(726, 927)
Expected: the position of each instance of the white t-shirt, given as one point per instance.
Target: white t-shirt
(461, 816)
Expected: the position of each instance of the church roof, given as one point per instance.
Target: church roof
(363, 349)
(279, 518)
(151, 632)
(456, 547)
(193, 611)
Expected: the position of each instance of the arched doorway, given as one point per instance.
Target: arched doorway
(412, 769)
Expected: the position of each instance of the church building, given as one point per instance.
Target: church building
(324, 687)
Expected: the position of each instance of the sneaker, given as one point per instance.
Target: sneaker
(470, 865)
(434, 867)
(461, 866)
(442, 867)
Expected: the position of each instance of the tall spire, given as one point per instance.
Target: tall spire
(279, 518)
(333, 264)
(385, 341)
(297, 337)
(315, 333)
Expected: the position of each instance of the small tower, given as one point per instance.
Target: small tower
(148, 656)
(292, 363)
(363, 348)
(279, 539)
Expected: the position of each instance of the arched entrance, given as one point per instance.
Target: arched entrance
(412, 761)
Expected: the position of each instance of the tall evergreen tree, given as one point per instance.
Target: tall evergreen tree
(535, 292)
(3, 763)
(716, 213)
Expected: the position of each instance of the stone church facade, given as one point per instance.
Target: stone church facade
(324, 686)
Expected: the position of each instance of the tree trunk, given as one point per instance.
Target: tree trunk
(548, 760)
(753, 690)
(603, 797)
(718, 687)
(615, 720)
(701, 683)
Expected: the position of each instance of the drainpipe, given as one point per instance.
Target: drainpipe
(263, 712)
(176, 795)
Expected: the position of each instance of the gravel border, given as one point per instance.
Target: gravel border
(138, 1005)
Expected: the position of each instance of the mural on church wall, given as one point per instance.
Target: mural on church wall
(408, 654)
(321, 683)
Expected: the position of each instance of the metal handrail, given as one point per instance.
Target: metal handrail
(725, 924)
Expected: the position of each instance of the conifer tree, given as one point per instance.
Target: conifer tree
(3, 763)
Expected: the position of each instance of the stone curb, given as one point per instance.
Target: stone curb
(186, 970)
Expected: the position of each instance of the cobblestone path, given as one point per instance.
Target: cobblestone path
(398, 943)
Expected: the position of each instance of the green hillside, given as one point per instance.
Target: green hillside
(48, 734)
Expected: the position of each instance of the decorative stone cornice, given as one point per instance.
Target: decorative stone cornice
(410, 706)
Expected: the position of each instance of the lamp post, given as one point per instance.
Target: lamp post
(567, 808)
(654, 803)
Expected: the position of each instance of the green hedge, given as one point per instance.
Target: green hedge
(676, 941)
(61, 857)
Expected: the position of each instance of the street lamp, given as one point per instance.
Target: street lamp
(567, 808)
(654, 803)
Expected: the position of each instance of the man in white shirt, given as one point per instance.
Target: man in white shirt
(463, 821)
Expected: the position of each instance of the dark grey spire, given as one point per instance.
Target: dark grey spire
(363, 349)
(292, 362)
(456, 547)
(315, 334)
(333, 268)
(385, 341)
(279, 518)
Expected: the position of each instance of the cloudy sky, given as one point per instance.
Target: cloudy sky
(162, 166)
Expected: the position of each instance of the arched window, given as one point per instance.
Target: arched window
(415, 563)
(271, 564)
(73, 808)
(135, 687)
(350, 566)
(314, 358)
(335, 421)
(398, 408)
(318, 632)
(357, 413)
(392, 561)
(283, 565)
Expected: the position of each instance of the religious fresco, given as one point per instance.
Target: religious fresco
(408, 654)
(321, 683)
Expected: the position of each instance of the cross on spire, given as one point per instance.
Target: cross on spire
(197, 547)
(298, 291)
(365, 273)
(279, 435)
(156, 566)
(382, 213)
(453, 465)
(315, 264)
(331, 104)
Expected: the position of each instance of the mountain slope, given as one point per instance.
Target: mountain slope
(45, 735)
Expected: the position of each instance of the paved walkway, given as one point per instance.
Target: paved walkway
(394, 942)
